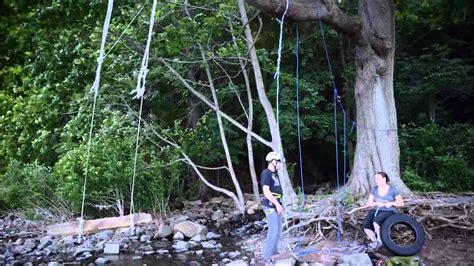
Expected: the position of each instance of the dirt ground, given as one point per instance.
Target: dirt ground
(449, 249)
(446, 248)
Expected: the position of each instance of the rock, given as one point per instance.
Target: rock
(137, 258)
(237, 263)
(286, 262)
(81, 250)
(101, 261)
(112, 248)
(19, 241)
(199, 252)
(219, 214)
(162, 251)
(145, 238)
(105, 235)
(164, 231)
(181, 246)
(199, 238)
(30, 243)
(18, 250)
(208, 245)
(355, 259)
(53, 263)
(190, 229)
(194, 263)
(212, 235)
(315, 263)
(151, 227)
(139, 230)
(217, 200)
(178, 236)
(148, 253)
(45, 239)
(226, 260)
(251, 211)
(178, 219)
(234, 254)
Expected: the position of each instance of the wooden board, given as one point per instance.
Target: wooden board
(91, 226)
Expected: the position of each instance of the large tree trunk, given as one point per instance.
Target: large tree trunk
(374, 38)
(377, 137)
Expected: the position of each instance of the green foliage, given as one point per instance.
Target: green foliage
(49, 57)
(438, 158)
(24, 184)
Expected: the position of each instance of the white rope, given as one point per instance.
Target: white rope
(140, 90)
(277, 77)
(277, 72)
(123, 32)
(95, 90)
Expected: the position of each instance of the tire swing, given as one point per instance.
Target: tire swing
(398, 228)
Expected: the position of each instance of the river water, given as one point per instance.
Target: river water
(209, 256)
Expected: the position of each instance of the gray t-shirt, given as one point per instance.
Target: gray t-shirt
(389, 197)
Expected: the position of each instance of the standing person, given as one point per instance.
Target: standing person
(272, 205)
(383, 199)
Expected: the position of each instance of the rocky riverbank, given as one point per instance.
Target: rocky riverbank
(203, 233)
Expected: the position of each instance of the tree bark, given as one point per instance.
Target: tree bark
(374, 38)
(276, 144)
(377, 136)
(248, 139)
(230, 165)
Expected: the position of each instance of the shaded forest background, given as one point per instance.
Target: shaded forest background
(48, 59)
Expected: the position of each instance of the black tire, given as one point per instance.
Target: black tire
(413, 225)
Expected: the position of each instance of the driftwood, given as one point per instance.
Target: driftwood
(433, 210)
(91, 226)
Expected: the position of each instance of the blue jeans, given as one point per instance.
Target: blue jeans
(274, 222)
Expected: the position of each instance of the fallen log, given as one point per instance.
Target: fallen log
(92, 226)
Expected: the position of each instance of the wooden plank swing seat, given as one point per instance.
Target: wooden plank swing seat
(92, 226)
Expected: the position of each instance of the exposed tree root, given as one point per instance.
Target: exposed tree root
(434, 211)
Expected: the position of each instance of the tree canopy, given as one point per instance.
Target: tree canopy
(47, 66)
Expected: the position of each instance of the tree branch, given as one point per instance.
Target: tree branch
(307, 10)
(210, 104)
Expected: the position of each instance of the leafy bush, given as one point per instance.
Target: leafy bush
(23, 184)
(437, 158)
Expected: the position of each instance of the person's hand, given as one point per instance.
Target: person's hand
(279, 208)
(388, 205)
(379, 204)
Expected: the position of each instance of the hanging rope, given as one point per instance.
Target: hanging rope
(140, 91)
(336, 101)
(123, 32)
(303, 200)
(95, 90)
(342, 247)
(277, 72)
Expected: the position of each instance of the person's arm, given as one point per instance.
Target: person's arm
(371, 202)
(398, 199)
(268, 194)
(399, 202)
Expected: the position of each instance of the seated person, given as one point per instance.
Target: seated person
(383, 199)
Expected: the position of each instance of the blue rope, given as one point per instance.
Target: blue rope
(303, 201)
(336, 101)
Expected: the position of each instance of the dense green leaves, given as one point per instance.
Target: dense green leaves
(47, 65)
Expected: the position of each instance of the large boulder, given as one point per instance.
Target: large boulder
(190, 229)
